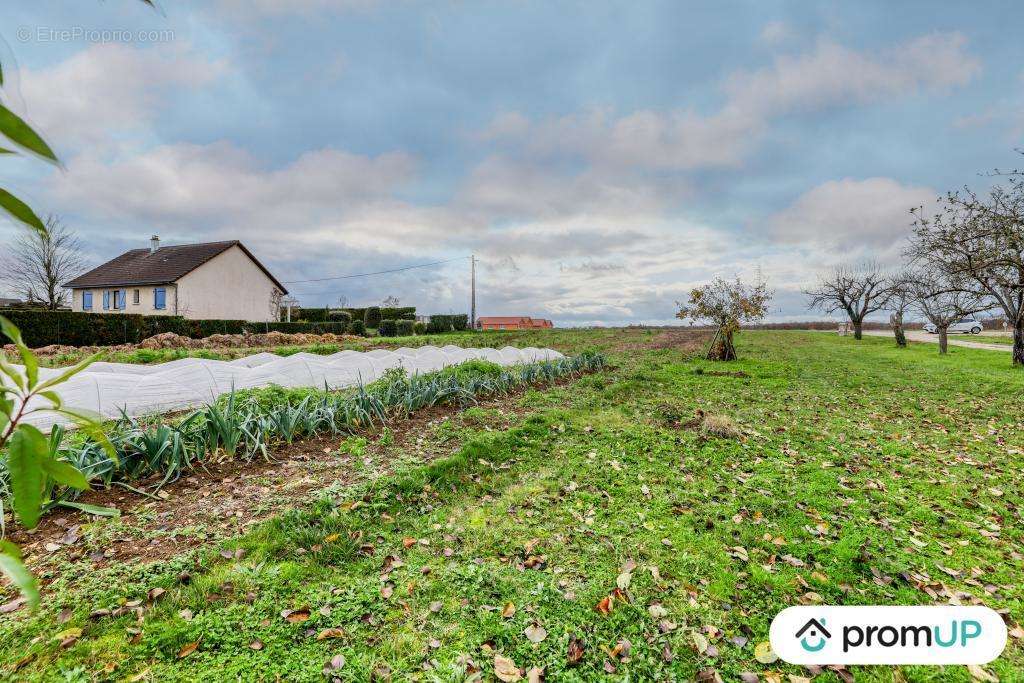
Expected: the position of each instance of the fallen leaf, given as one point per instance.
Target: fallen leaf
(623, 580)
(709, 676)
(330, 633)
(535, 633)
(296, 616)
(748, 677)
(535, 675)
(256, 644)
(700, 642)
(576, 651)
(505, 669)
(764, 653)
(979, 674)
(605, 605)
(509, 610)
(188, 649)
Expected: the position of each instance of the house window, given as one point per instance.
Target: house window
(135, 297)
(106, 299)
(86, 301)
(159, 298)
(119, 299)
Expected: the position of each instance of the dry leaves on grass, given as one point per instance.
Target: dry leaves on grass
(505, 669)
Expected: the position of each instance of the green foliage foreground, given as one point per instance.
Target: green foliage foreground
(599, 535)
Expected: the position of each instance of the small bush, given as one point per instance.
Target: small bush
(419, 328)
(372, 317)
(405, 327)
(357, 327)
(388, 328)
(439, 324)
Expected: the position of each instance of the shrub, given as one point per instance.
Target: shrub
(405, 327)
(386, 313)
(388, 328)
(73, 328)
(340, 316)
(419, 328)
(311, 315)
(440, 324)
(357, 327)
(372, 317)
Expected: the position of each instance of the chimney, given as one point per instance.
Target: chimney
(154, 243)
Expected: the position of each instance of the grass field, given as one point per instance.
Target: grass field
(602, 528)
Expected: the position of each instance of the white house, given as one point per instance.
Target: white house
(212, 280)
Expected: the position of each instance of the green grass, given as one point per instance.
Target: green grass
(865, 475)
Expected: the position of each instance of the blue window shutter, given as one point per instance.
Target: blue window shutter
(159, 298)
(86, 301)
(124, 298)
(106, 299)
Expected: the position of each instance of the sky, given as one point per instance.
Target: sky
(600, 159)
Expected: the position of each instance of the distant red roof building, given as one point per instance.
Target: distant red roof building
(512, 322)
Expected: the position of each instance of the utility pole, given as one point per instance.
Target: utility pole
(472, 291)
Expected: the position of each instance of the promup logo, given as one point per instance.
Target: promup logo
(888, 635)
(815, 632)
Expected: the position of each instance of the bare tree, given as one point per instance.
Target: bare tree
(980, 241)
(38, 264)
(943, 300)
(391, 302)
(276, 297)
(857, 290)
(900, 300)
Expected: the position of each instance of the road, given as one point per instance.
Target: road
(954, 339)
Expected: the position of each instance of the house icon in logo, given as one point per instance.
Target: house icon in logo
(817, 633)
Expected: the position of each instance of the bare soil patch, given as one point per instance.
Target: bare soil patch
(221, 500)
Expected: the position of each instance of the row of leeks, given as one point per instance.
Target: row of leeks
(246, 425)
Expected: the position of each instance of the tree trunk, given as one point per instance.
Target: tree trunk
(897, 329)
(723, 347)
(858, 329)
(1018, 343)
(943, 339)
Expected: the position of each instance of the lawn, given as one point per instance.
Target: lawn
(592, 529)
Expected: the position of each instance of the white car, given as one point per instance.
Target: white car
(967, 326)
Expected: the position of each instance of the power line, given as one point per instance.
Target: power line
(366, 274)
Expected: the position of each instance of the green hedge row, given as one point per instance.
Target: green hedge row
(386, 313)
(447, 323)
(41, 328)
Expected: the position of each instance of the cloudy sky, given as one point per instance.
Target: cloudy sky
(599, 158)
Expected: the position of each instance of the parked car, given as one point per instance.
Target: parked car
(967, 326)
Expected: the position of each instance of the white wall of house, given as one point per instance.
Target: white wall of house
(228, 286)
(146, 300)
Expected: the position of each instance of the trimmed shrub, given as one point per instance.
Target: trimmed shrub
(357, 327)
(419, 328)
(405, 327)
(388, 328)
(339, 316)
(73, 328)
(439, 324)
(386, 313)
(372, 317)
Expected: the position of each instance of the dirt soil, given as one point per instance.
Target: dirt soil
(222, 500)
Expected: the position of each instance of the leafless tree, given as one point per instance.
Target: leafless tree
(900, 300)
(857, 290)
(38, 264)
(943, 300)
(979, 239)
(391, 302)
(276, 297)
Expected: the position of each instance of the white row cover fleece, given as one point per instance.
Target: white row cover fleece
(108, 388)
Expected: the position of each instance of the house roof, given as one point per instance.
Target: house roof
(165, 265)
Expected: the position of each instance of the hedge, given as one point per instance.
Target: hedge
(447, 323)
(72, 328)
(372, 317)
(357, 327)
(388, 328)
(405, 327)
(386, 313)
